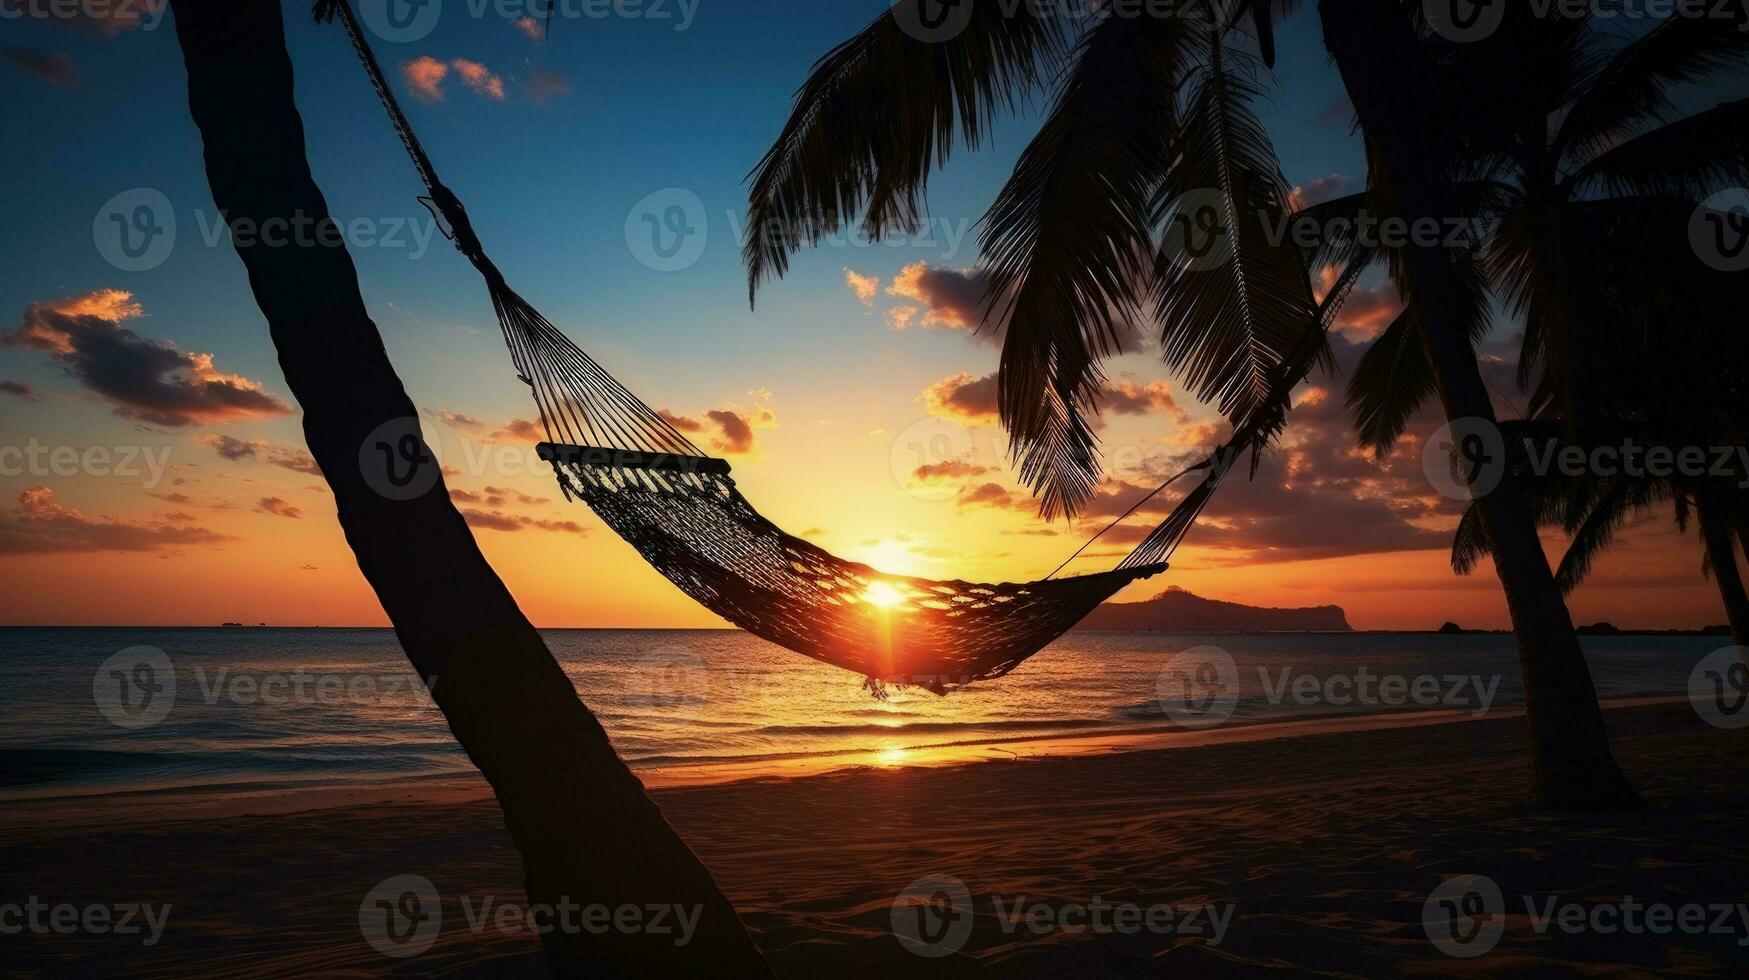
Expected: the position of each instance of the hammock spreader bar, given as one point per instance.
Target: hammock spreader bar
(682, 512)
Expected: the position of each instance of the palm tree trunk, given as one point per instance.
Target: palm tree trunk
(1572, 767)
(1721, 552)
(588, 833)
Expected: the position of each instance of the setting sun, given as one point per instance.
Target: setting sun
(884, 595)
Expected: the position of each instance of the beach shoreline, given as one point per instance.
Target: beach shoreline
(1326, 847)
(97, 806)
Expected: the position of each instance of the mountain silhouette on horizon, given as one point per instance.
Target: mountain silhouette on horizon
(1178, 610)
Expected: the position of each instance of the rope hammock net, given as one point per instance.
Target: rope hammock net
(680, 509)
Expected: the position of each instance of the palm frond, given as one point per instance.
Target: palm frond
(876, 114)
(1392, 380)
(1229, 316)
(1469, 542)
(1065, 247)
(1633, 88)
(1690, 158)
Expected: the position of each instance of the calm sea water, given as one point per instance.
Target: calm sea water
(87, 710)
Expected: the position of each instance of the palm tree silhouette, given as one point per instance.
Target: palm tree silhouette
(1591, 247)
(1079, 241)
(587, 831)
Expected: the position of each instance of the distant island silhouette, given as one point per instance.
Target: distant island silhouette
(1180, 611)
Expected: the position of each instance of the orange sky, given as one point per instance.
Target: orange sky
(876, 465)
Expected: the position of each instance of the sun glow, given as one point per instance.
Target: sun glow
(883, 594)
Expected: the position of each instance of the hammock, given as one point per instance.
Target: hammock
(682, 512)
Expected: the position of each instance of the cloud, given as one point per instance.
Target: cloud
(861, 286)
(987, 495)
(731, 430)
(232, 449)
(545, 85)
(296, 460)
(521, 429)
(457, 420)
(278, 507)
(963, 397)
(951, 298)
(532, 29)
(284, 457)
(18, 389)
(948, 470)
(479, 79)
(424, 77)
(147, 380)
(54, 67)
(42, 525)
(497, 498)
(498, 521)
(1125, 397)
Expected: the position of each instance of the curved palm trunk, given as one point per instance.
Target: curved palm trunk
(1721, 552)
(1571, 761)
(587, 832)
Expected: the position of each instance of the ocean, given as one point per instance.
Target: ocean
(122, 710)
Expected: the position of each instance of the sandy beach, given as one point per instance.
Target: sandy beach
(1320, 851)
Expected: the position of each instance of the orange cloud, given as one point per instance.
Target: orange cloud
(424, 77)
(40, 524)
(479, 79)
(863, 287)
(963, 397)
